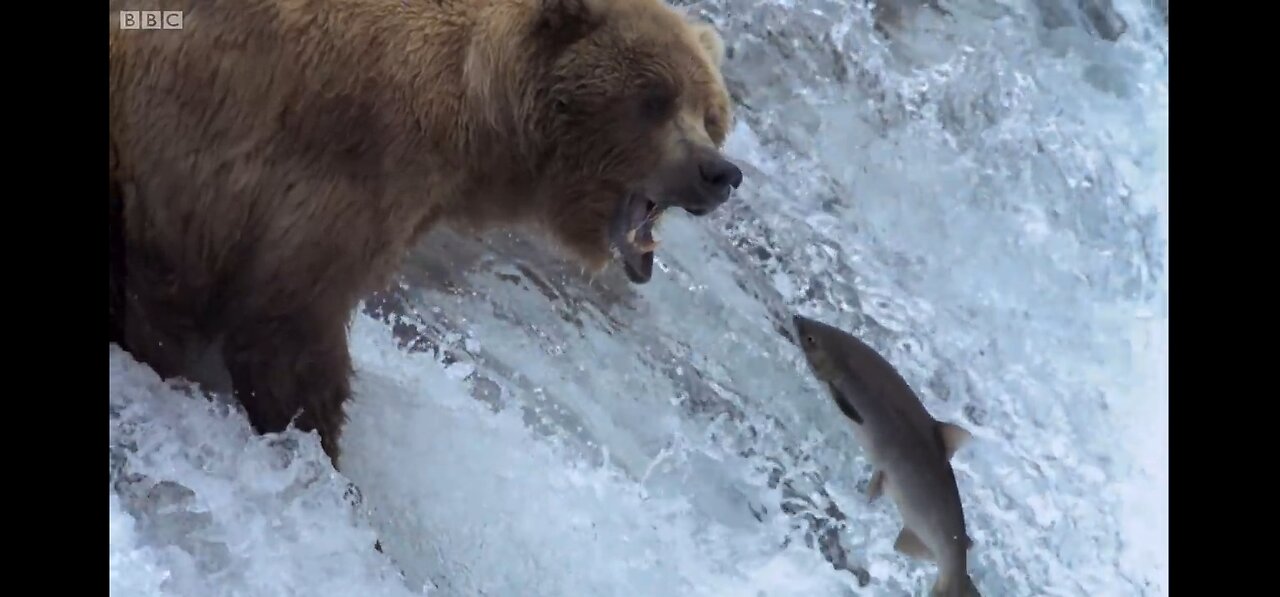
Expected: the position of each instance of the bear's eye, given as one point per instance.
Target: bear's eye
(711, 123)
(562, 106)
(657, 104)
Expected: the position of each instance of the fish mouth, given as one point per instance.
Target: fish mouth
(631, 233)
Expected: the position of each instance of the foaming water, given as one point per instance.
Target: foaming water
(982, 197)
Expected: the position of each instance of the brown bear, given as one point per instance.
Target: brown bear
(272, 160)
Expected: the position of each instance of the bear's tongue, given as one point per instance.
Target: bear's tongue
(636, 244)
(639, 260)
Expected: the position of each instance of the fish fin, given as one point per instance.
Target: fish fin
(876, 486)
(910, 544)
(953, 437)
(845, 405)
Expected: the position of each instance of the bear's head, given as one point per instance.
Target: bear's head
(621, 106)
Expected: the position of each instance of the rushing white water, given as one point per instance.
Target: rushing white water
(982, 198)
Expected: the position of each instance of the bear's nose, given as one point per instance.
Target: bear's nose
(720, 173)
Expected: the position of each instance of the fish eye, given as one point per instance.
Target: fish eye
(808, 339)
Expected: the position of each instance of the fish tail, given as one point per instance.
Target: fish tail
(956, 585)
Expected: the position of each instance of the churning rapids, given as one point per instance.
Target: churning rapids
(980, 194)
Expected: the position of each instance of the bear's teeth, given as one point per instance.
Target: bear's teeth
(648, 246)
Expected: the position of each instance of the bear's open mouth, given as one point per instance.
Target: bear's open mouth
(632, 234)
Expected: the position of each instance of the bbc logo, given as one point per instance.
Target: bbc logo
(150, 19)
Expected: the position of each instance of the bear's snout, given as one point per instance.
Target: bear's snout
(720, 174)
(702, 182)
(716, 178)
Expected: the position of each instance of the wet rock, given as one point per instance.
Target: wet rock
(891, 14)
(1103, 18)
(1098, 17)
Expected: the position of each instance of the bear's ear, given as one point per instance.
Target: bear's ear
(710, 41)
(560, 23)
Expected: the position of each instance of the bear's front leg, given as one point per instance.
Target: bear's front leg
(288, 366)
